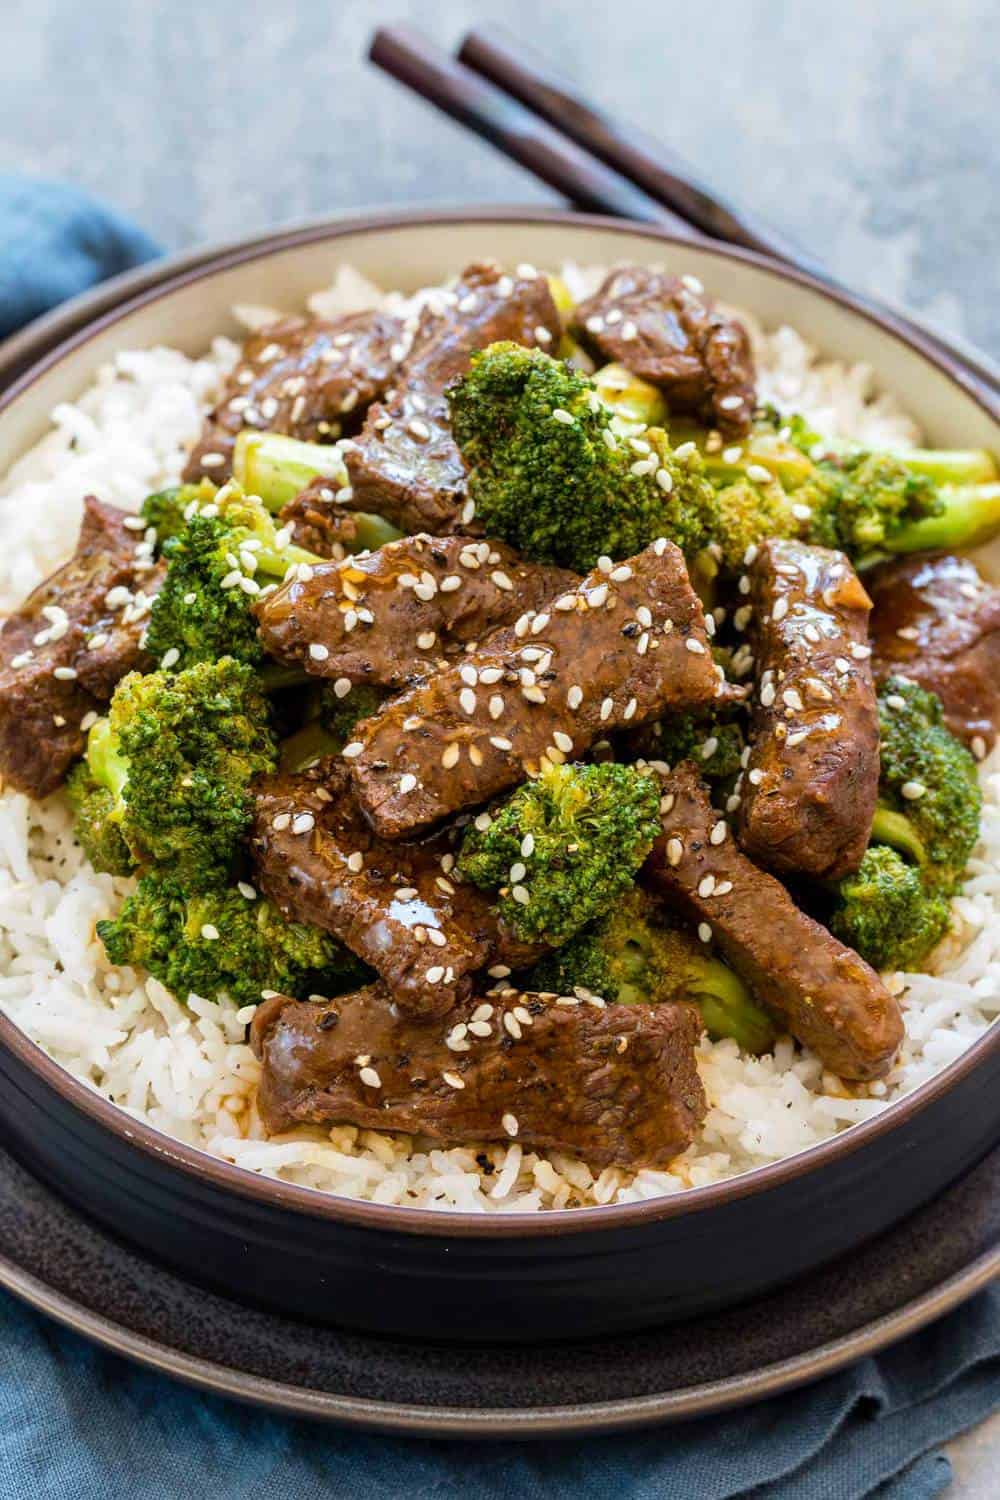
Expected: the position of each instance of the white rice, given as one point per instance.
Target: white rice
(187, 1071)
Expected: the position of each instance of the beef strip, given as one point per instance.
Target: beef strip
(665, 330)
(399, 907)
(808, 796)
(824, 993)
(405, 464)
(619, 648)
(72, 640)
(937, 621)
(395, 615)
(612, 1084)
(318, 523)
(309, 378)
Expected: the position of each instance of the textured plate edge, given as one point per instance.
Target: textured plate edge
(504, 1422)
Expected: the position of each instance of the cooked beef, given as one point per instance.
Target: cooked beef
(617, 649)
(318, 523)
(397, 614)
(615, 1084)
(72, 640)
(808, 796)
(310, 378)
(665, 330)
(405, 465)
(826, 995)
(937, 621)
(399, 907)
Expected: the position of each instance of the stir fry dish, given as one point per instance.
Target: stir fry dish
(506, 697)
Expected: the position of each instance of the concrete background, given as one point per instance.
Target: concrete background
(868, 131)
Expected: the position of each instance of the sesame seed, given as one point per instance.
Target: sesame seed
(453, 1081)
(356, 862)
(978, 747)
(449, 756)
(767, 694)
(792, 699)
(780, 610)
(65, 674)
(353, 750)
(560, 414)
(574, 697)
(704, 932)
(597, 597)
(510, 1125)
(435, 974)
(520, 895)
(88, 721)
(756, 776)
(758, 473)
(695, 647)
(802, 512)
(496, 706)
(675, 852)
(370, 1077)
(622, 574)
(710, 746)
(533, 694)
(482, 822)
(512, 1026)
(317, 651)
(860, 653)
(563, 741)
(517, 872)
(607, 708)
(209, 932)
(630, 708)
(718, 833)
(407, 782)
(502, 581)
(499, 743)
(913, 790)
(467, 700)
(304, 823)
(21, 660)
(706, 886)
(246, 890)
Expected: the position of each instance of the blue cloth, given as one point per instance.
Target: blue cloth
(75, 1421)
(56, 241)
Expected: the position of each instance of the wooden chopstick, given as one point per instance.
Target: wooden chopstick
(666, 178)
(514, 130)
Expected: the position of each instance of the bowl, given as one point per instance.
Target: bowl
(450, 1275)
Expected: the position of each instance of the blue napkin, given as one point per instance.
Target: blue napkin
(75, 1421)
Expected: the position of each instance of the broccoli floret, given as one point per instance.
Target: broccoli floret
(637, 954)
(222, 942)
(549, 474)
(329, 724)
(785, 480)
(167, 510)
(886, 913)
(928, 779)
(95, 825)
(561, 849)
(226, 553)
(176, 756)
(715, 744)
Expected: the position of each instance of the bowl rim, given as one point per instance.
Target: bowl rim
(149, 284)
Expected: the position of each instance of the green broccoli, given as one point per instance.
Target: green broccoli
(224, 941)
(637, 953)
(561, 849)
(167, 510)
(895, 908)
(175, 758)
(276, 468)
(632, 400)
(928, 778)
(214, 571)
(714, 743)
(549, 474)
(329, 722)
(886, 913)
(94, 823)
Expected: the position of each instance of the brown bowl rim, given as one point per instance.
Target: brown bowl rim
(179, 272)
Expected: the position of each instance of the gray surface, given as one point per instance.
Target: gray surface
(869, 131)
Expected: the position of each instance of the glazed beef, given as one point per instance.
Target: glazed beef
(618, 649)
(398, 907)
(405, 465)
(395, 615)
(824, 993)
(318, 523)
(665, 330)
(309, 378)
(808, 796)
(937, 621)
(69, 644)
(612, 1084)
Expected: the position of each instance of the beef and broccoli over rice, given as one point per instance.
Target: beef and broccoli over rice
(521, 745)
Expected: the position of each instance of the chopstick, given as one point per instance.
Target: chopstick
(603, 165)
(514, 130)
(668, 179)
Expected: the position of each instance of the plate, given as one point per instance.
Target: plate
(60, 1262)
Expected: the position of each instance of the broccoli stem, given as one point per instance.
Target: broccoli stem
(276, 468)
(308, 745)
(728, 1009)
(108, 766)
(970, 514)
(275, 677)
(896, 830)
(958, 466)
